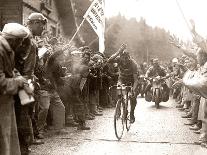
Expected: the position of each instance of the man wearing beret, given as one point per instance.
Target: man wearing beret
(11, 37)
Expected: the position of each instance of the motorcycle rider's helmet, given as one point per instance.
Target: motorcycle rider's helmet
(155, 61)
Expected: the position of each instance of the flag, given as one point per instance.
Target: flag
(95, 15)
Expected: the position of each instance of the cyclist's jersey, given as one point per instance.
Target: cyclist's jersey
(127, 71)
(152, 71)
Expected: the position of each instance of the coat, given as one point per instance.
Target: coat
(9, 142)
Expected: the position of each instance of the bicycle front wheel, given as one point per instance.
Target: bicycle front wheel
(119, 119)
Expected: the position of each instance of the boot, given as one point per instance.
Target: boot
(190, 123)
(89, 117)
(82, 126)
(71, 124)
(37, 142)
(91, 114)
(179, 106)
(189, 115)
(96, 113)
(39, 136)
(132, 118)
(194, 127)
(197, 131)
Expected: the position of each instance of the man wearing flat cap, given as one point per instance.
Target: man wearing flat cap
(36, 24)
(11, 37)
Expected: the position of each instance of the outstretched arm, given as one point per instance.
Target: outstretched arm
(113, 57)
(189, 54)
(198, 39)
(174, 41)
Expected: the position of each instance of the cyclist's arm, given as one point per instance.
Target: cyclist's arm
(115, 55)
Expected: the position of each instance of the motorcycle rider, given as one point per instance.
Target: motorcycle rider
(143, 68)
(128, 74)
(157, 70)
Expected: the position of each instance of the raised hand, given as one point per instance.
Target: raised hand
(122, 48)
(175, 41)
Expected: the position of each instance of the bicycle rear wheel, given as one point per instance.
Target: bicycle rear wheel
(127, 115)
(119, 119)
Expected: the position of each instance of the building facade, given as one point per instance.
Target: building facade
(58, 12)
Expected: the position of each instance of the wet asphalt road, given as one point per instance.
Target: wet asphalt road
(155, 132)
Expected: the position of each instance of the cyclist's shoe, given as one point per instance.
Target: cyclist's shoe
(132, 119)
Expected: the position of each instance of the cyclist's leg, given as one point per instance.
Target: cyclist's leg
(133, 103)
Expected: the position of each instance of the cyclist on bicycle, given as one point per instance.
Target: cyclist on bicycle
(128, 74)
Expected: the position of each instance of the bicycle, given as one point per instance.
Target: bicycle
(122, 111)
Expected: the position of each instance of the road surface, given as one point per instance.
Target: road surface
(155, 132)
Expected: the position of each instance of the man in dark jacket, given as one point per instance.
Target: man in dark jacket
(10, 38)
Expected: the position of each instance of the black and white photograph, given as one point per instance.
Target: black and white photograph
(103, 77)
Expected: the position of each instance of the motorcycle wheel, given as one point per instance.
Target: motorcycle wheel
(157, 98)
(142, 91)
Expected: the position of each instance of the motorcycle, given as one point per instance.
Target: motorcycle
(157, 89)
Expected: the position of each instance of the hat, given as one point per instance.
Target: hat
(53, 40)
(15, 30)
(37, 16)
(175, 60)
(97, 57)
(84, 48)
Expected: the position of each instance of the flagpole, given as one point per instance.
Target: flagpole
(181, 11)
(66, 46)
